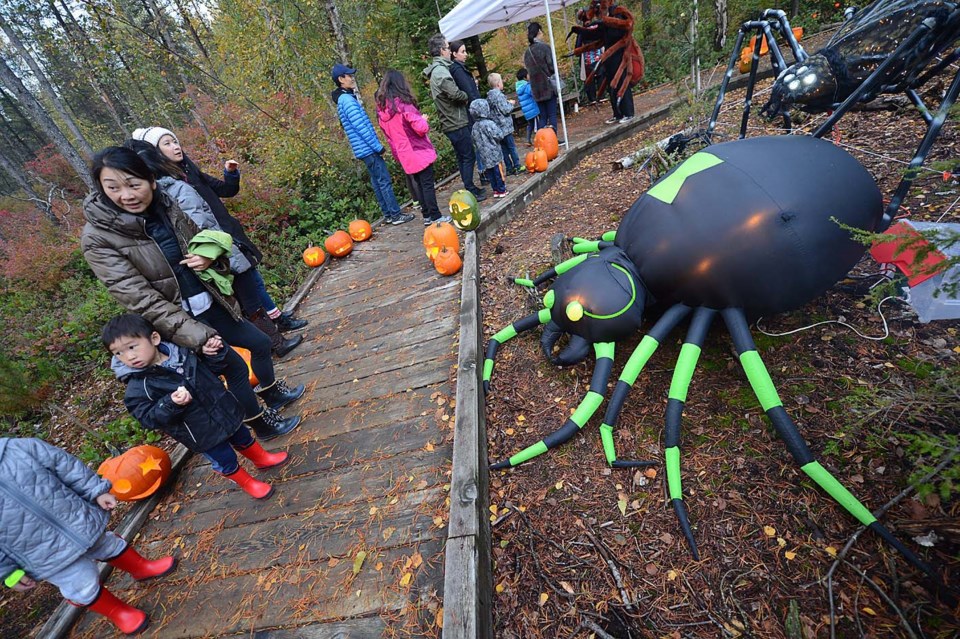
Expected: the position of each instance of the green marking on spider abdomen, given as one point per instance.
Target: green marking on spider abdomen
(566, 265)
(683, 373)
(666, 190)
(586, 409)
(528, 453)
(505, 334)
(759, 379)
(606, 437)
(638, 359)
(487, 369)
(673, 472)
(836, 490)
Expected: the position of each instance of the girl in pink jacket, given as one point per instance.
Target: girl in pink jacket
(406, 131)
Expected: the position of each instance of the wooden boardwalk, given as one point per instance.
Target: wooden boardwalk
(351, 544)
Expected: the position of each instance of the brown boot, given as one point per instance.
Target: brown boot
(280, 345)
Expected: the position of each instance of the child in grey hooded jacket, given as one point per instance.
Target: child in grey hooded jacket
(53, 527)
(487, 136)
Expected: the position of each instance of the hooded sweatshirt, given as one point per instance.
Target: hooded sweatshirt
(406, 132)
(450, 100)
(486, 134)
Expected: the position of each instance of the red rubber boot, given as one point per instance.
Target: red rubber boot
(140, 568)
(261, 458)
(255, 488)
(128, 619)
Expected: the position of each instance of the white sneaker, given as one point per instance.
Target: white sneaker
(625, 119)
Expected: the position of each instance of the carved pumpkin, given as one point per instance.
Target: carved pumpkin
(464, 210)
(339, 244)
(536, 161)
(360, 230)
(447, 262)
(314, 256)
(137, 473)
(546, 139)
(246, 356)
(439, 235)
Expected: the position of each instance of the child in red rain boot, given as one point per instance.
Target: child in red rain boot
(170, 389)
(53, 527)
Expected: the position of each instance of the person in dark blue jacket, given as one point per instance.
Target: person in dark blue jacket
(365, 143)
(171, 390)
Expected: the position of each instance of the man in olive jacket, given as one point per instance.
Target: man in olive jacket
(452, 106)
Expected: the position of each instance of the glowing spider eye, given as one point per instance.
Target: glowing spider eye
(574, 311)
(549, 299)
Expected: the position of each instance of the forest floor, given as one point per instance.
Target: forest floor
(585, 551)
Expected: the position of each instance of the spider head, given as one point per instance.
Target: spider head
(600, 300)
(811, 84)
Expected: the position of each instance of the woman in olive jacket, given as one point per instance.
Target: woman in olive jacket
(135, 240)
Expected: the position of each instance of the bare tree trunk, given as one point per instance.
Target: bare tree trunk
(473, 46)
(10, 107)
(185, 16)
(105, 27)
(39, 115)
(339, 36)
(794, 8)
(15, 170)
(48, 91)
(720, 24)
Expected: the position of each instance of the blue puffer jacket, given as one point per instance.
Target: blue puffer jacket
(527, 103)
(363, 138)
(48, 512)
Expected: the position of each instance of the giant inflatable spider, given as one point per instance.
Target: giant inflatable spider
(891, 46)
(729, 233)
(610, 26)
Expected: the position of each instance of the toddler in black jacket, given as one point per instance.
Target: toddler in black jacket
(171, 390)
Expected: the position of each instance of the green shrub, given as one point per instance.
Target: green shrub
(120, 434)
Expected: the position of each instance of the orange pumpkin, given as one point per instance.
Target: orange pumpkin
(447, 262)
(246, 356)
(546, 139)
(360, 230)
(536, 160)
(137, 473)
(314, 256)
(439, 235)
(339, 244)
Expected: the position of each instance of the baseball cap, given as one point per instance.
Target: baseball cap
(341, 69)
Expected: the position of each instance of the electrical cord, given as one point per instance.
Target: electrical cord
(886, 328)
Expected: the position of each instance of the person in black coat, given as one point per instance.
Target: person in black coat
(466, 83)
(171, 390)
(211, 189)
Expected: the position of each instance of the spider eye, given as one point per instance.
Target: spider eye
(574, 311)
(549, 299)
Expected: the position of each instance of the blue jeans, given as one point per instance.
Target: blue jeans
(382, 187)
(548, 113)
(466, 160)
(222, 457)
(265, 300)
(509, 148)
(496, 180)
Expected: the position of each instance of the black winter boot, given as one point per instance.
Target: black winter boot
(280, 345)
(287, 322)
(270, 424)
(279, 394)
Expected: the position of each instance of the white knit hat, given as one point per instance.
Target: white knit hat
(153, 134)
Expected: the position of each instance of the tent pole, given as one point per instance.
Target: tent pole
(553, 51)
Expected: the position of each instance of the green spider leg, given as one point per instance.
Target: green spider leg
(550, 273)
(582, 245)
(505, 334)
(588, 406)
(676, 398)
(634, 366)
(767, 395)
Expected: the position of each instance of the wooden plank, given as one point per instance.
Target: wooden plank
(413, 377)
(398, 294)
(466, 608)
(348, 629)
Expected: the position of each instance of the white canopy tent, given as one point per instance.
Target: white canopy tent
(472, 17)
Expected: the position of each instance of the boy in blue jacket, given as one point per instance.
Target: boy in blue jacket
(365, 143)
(171, 390)
(527, 104)
(53, 527)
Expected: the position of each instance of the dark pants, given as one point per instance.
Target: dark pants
(382, 186)
(466, 159)
(428, 193)
(222, 457)
(509, 148)
(247, 291)
(496, 180)
(531, 127)
(548, 113)
(265, 300)
(245, 335)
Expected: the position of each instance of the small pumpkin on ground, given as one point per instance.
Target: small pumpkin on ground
(536, 161)
(439, 235)
(464, 210)
(447, 262)
(314, 256)
(137, 473)
(339, 244)
(360, 230)
(546, 139)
